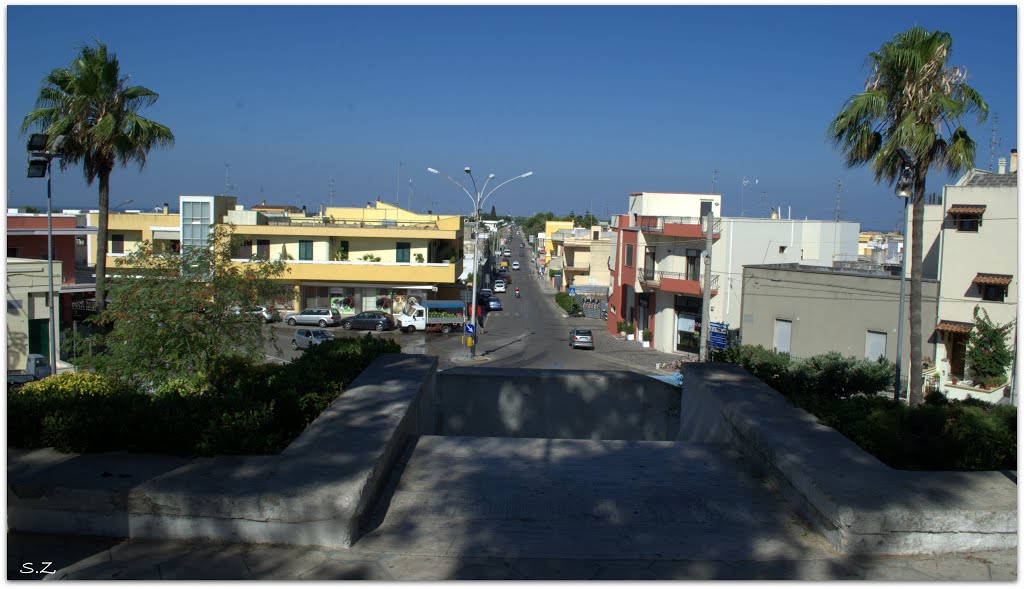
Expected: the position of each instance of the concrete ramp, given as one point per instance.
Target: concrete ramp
(558, 498)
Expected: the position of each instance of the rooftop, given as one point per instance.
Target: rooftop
(986, 179)
(861, 269)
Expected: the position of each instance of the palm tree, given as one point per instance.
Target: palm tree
(92, 105)
(912, 99)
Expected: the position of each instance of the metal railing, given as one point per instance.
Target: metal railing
(651, 276)
(658, 225)
(335, 222)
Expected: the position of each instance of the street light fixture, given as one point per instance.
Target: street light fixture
(904, 190)
(39, 158)
(478, 201)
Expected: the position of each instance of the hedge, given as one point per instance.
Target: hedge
(841, 393)
(564, 301)
(238, 408)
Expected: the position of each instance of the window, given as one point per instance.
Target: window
(783, 335)
(874, 345)
(116, 243)
(967, 224)
(305, 249)
(245, 250)
(195, 223)
(782, 249)
(343, 250)
(629, 255)
(993, 292)
(692, 264)
(402, 251)
(263, 249)
(12, 252)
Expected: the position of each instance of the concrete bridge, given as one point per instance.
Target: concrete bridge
(570, 471)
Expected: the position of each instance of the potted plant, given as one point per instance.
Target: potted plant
(621, 327)
(419, 258)
(630, 331)
(647, 336)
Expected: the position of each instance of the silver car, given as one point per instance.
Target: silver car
(321, 316)
(581, 338)
(309, 337)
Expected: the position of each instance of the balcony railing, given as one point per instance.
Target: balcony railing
(654, 277)
(336, 222)
(657, 225)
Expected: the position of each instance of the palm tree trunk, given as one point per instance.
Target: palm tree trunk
(101, 241)
(916, 252)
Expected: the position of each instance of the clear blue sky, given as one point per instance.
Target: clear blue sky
(599, 101)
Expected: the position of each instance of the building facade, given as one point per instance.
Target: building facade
(351, 258)
(28, 309)
(657, 267)
(808, 310)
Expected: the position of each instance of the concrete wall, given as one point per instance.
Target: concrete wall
(672, 204)
(28, 288)
(572, 404)
(857, 503)
(829, 311)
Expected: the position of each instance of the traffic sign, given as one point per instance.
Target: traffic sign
(470, 329)
(572, 291)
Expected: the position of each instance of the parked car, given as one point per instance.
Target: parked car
(378, 320)
(499, 286)
(322, 316)
(486, 292)
(494, 304)
(515, 265)
(309, 337)
(505, 277)
(581, 338)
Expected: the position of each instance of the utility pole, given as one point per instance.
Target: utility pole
(714, 180)
(705, 313)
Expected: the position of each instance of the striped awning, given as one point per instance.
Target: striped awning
(954, 327)
(966, 209)
(993, 279)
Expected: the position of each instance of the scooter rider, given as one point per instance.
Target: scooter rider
(517, 292)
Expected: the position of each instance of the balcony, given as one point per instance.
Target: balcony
(360, 271)
(690, 227)
(675, 282)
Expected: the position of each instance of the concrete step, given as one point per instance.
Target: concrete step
(523, 497)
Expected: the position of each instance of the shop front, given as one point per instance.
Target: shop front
(688, 327)
(350, 299)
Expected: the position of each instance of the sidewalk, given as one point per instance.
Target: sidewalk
(93, 558)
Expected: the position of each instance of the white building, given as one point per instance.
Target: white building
(974, 249)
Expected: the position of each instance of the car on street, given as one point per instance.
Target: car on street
(486, 292)
(262, 312)
(322, 316)
(309, 337)
(494, 304)
(515, 265)
(377, 320)
(499, 286)
(581, 338)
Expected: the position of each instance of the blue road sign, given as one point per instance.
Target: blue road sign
(572, 291)
(470, 329)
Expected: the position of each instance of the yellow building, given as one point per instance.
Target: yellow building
(352, 258)
(549, 230)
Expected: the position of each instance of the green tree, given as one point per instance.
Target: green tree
(174, 314)
(913, 99)
(988, 354)
(91, 103)
(493, 216)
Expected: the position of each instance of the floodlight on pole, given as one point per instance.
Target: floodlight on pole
(904, 190)
(38, 167)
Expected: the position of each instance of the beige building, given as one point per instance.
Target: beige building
(582, 254)
(28, 309)
(809, 310)
(976, 259)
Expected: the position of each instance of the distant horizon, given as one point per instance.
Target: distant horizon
(293, 103)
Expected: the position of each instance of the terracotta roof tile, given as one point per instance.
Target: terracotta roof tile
(996, 279)
(966, 210)
(954, 327)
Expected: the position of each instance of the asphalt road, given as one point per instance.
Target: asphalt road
(530, 332)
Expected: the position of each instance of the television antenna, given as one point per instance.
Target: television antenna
(994, 144)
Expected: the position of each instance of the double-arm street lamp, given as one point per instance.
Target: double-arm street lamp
(478, 201)
(39, 158)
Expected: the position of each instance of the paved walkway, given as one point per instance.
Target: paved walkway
(91, 558)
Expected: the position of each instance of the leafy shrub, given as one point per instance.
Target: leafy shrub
(937, 435)
(237, 407)
(564, 301)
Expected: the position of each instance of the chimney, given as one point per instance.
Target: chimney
(1002, 165)
(167, 209)
(263, 203)
(1013, 161)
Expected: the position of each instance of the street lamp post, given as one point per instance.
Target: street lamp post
(478, 202)
(904, 190)
(39, 162)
